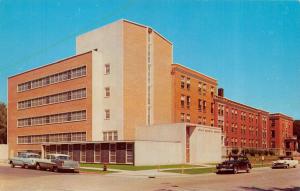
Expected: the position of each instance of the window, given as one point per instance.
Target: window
(188, 117)
(107, 92)
(107, 114)
(199, 105)
(182, 81)
(204, 106)
(107, 68)
(110, 135)
(212, 90)
(204, 120)
(182, 117)
(61, 137)
(112, 153)
(56, 118)
(188, 101)
(199, 120)
(182, 98)
(55, 78)
(200, 87)
(212, 108)
(188, 83)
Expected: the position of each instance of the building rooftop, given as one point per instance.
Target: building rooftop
(52, 63)
(241, 104)
(177, 65)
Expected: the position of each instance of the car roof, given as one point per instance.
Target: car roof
(30, 153)
(56, 155)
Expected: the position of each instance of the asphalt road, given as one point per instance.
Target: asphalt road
(266, 179)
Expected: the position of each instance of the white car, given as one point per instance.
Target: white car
(25, 160)
(285, 162)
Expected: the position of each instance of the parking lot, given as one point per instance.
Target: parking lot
(263, 179)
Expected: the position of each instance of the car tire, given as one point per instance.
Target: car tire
(54, 169)
(38, 167)
(12, 165)
(248, 169)
(26, 166)
(235, 170)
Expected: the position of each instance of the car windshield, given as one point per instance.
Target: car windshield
(236, 158)
(63, 157)
(284, 158)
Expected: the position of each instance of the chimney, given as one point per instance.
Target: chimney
(221, 92)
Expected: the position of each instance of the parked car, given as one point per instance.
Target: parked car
(285, 162)
(57, 162)
(234, 164)
(24, 160)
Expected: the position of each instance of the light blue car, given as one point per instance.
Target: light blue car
(24, 160)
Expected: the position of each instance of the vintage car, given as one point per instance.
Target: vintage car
(285, 162)
(234, 164)
(57, 162)
(25, 160)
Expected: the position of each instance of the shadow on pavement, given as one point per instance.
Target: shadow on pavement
(271, 189)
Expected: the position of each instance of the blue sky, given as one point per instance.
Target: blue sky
(251, 48)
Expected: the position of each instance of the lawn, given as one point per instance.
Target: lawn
(193, 171)
(135, 168)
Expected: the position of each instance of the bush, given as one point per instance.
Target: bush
(252, 152)
(266, 152)
(235, 151)
(271, 152)
(259, 152)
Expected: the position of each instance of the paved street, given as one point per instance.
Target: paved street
(259, 179)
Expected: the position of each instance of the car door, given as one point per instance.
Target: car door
(243, 163)
(19, 159)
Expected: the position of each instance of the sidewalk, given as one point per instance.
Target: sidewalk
(153, 173)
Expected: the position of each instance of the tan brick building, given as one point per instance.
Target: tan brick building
(51, 103)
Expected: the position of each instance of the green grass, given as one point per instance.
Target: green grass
(96, 171)
(193, 171)
(135, 168)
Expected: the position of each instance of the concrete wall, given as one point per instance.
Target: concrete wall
(108, 40)
(165, 132)
(3, 152)
(157, 153)
(97, 96)
(205, 145)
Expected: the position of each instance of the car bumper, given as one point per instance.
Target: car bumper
(279, 165)
(224, 169)
(69, 168)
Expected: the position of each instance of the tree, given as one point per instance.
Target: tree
(3, 123)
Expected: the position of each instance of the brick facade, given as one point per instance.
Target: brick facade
(193, 96)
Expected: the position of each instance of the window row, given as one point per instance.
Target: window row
(56, 98)
(55, 78)
(95, 153)
(110, 135)
(202, 87)
(56, 118)
(60, 137)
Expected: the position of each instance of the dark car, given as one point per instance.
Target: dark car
(234, 164)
